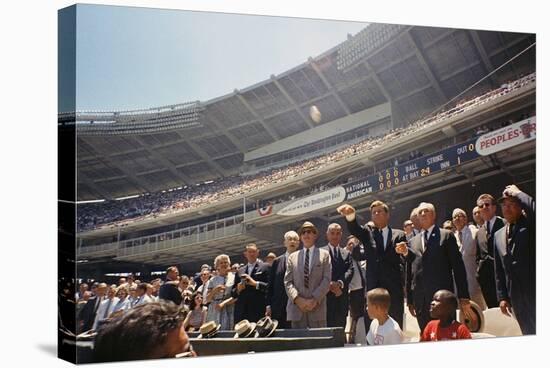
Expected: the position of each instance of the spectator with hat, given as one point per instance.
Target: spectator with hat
(307, 281)
(270, 258)
(515, 258)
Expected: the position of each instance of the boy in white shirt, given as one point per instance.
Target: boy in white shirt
(383, 329)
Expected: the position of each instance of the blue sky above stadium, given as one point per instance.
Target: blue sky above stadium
(133, 58)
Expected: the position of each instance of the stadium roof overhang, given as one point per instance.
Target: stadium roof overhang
(416, 69)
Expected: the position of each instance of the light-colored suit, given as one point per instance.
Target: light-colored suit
(467, 245)
(104, 310)
(319, 281)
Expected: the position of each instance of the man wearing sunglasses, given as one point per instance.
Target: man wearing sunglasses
(485, 248)
(307, 281)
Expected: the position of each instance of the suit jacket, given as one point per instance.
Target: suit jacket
(276, 292)
(515, 265)
(88, 314)
(251, 301)
(485, 249)
(170, 292)
(103, 312)
(319, 280)
(341, 269)
(433, 269)
(383, 270)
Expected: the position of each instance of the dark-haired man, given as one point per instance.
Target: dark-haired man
(169, 290)
(150, 331)
(485, 248)
(515, 259)
(385, 268)
(251, 286)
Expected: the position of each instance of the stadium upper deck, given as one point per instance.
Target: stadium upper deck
(415, 69)
(172, 205)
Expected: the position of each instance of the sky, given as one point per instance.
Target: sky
(133, 58)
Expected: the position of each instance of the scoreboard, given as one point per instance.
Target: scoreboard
(414, 169)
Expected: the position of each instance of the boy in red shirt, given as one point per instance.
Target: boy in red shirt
(444, 326)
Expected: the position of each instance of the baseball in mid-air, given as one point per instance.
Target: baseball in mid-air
(315, 114)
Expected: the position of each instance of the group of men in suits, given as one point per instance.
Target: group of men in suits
(319, 284)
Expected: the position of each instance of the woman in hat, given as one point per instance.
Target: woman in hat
(218, 294)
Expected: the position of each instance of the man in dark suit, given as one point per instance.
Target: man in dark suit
(89, 311)
(435, 264)
(485, 248)
(169, 291)
(357, 285)
(250, 286)
(515, 259)
(341, 274)
(384, 266)
(276, 293)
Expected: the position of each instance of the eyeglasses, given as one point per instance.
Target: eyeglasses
(457, 216)
(309, 232)
(485, 204)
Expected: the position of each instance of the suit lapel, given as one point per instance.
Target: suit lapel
(517, 229)
(254, 269)
(301, 256)
(389, 240)
(314, 258)
(416, 243)
(500, 242)
(282, 265)
(435, 237)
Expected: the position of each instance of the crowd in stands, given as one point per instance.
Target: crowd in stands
(460, 265)
(118, 213)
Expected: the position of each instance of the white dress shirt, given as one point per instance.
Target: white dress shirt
(104, 310)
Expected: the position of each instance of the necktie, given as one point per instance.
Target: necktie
(379, 241)
(509, 243)
(336, 253)
(488, 228)
(98, 301)
(425, 240)
(106, 314)
(306, 270)
(460, 236)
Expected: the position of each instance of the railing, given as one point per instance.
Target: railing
(176, 242)
(412, 129)
(193, 234)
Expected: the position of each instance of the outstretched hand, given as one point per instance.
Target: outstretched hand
(345, 210)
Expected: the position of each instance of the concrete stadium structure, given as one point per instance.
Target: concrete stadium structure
(384, 77)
